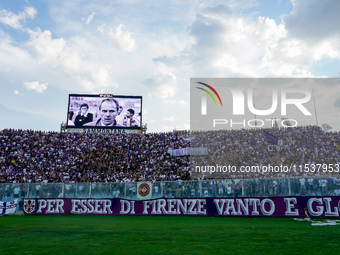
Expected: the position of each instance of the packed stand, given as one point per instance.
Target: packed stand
(51, 157)
(295, 147)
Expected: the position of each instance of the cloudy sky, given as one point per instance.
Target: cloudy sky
(50, 49)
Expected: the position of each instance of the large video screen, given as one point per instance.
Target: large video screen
(104, 111)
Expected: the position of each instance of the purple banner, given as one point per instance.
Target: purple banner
(318, 206)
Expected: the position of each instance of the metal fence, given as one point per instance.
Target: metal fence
(326, 186)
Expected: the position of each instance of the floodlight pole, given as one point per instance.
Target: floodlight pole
(254, 107)
(316, 115)
(144, 128)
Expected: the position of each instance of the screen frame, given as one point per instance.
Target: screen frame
(100, 98)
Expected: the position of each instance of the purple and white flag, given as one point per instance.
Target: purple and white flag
(8, 207)
(326, 127)
(271, 138)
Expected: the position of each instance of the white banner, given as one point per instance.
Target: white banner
(8, 207)
(326, 127)
(189, 151)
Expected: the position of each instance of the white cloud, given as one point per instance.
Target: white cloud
(103, 75)
(16, 92)
(169, 43)
(228, 43)
(233, 44)
(35, 85)
(90, 18)
(74, 58)
(313, 20)
(176, 101)
(13, 20)
(162, 85)
(124, 39)
(102, 28)
(13, 59)
(44, 47)
(31, 12)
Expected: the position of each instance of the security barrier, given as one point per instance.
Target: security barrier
(302, 186)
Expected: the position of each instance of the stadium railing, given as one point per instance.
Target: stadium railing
(329, 186)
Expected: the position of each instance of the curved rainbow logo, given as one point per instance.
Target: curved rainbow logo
(209, 93)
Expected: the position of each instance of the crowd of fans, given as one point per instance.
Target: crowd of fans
(52, 157)
(299, 150)
(28, 156)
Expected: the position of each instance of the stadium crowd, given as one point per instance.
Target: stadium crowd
(291, 147)
(28, 156)
(52, 157)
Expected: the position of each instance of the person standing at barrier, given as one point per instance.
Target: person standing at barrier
(23, 191)
(16, 192)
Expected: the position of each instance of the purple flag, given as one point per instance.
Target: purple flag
(271, 138)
